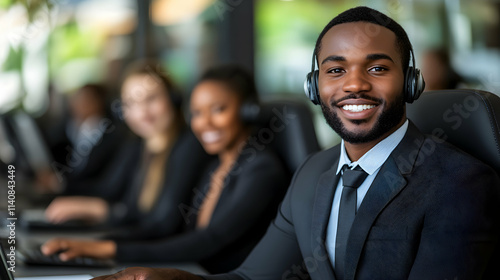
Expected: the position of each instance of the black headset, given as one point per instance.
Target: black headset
(413, 87)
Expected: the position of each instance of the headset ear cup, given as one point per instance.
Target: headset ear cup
(414, 84)
(250, 112)
(419, 84)
(311, 87)
(315, 91)
(409, 86)
(308, 86)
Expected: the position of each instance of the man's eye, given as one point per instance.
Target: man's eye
(378, 69)
(336, 70)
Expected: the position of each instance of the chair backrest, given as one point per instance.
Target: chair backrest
(287, 126)
(468, 119)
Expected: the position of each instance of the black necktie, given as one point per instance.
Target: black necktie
(352, 179)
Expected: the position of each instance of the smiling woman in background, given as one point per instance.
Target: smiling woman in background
(240, 190)
(151, 175)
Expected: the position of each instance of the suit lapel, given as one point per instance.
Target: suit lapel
(325, 190)
(388, 183)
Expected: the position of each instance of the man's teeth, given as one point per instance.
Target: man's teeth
(357, 108)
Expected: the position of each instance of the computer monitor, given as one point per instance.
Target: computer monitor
(31, 141)
(22, 144)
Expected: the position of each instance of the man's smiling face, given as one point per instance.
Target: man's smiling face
(361, 81)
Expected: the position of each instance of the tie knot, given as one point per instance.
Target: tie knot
(353, 178)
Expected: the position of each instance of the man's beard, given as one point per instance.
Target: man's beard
(389, 118)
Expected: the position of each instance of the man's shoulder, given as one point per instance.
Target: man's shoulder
(453, 154)
(428, 153)
(329, 155)
(316, 164)
(322, 160)
(446, 161)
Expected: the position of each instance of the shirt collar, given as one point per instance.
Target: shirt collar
(372, 160)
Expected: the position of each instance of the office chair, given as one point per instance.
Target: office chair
(468, 119)
(286, 125)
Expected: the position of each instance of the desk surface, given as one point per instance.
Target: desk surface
(24, 270)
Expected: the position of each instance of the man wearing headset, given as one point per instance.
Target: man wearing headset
(419, 209)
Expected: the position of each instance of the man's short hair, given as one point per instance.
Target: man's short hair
(370, 15)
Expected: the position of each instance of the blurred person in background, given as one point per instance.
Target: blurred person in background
(152, 173)
(82, 145)
(237, 196)
(438, 71)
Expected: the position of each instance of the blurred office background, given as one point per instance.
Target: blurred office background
(50, 48)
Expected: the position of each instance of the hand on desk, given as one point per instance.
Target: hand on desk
(63, 209)
(69, 248)
(144, 273)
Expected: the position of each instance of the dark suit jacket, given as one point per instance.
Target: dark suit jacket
(432, 212)
(252, 192)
